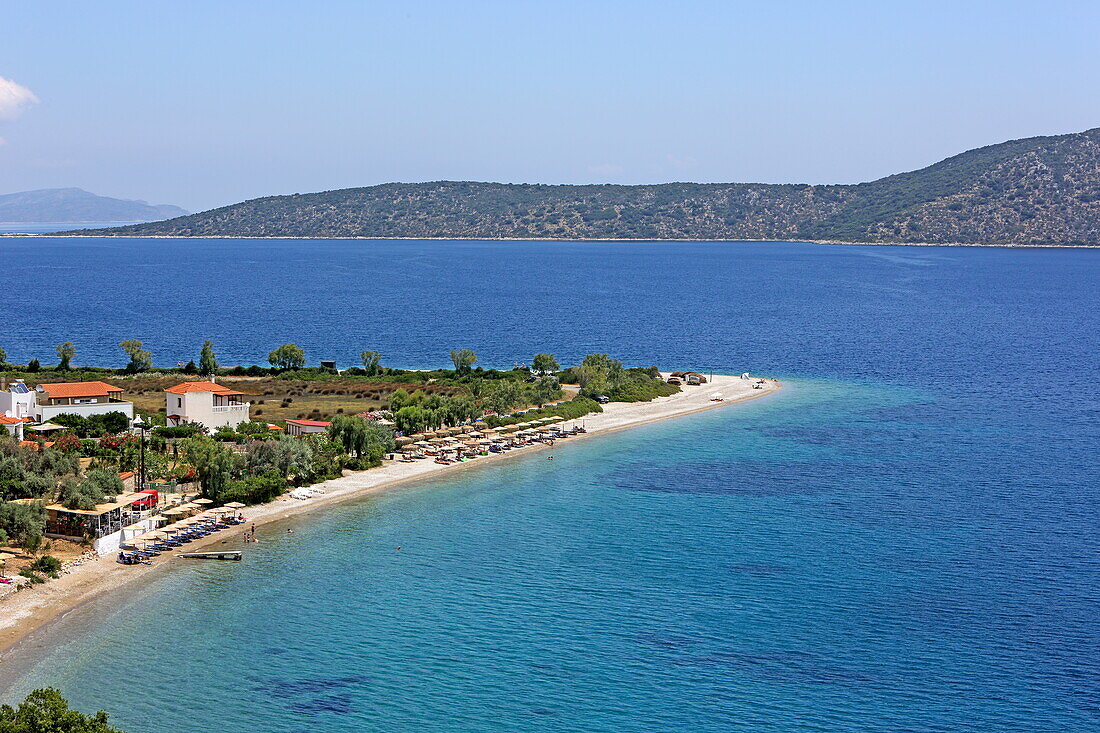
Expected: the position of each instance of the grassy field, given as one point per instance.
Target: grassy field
(278, 399)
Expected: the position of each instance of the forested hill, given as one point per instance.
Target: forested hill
(1041, 190)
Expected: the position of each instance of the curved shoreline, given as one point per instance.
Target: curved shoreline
(31, 614)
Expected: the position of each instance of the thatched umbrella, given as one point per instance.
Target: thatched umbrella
(404, 441)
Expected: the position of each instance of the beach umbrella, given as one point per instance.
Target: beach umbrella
(203, 501)
(234, 505)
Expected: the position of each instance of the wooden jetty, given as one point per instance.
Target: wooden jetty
(213, 555)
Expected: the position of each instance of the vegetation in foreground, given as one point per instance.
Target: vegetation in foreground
(46, 711)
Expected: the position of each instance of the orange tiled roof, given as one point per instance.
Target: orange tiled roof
(14, 420)
(78, 389)
(187, 387)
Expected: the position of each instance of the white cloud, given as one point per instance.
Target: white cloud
(14, 98)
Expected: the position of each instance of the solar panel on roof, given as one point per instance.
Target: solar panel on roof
(19, 388)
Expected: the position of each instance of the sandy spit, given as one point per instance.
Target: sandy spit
(26, 617)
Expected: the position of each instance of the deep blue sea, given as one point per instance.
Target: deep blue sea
(905, 538)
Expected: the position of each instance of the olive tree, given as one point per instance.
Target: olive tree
(463, 359)
(371, 362)
(599, 373)
(287, 356)
(544, 364)
(212, 461)
(65, 353)
(140, 359)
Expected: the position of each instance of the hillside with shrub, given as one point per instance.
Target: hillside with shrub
(1035, 191)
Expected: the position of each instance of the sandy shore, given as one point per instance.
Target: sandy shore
(36, 608)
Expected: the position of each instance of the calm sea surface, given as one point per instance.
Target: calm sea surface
(906, 538)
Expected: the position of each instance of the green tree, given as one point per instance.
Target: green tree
(463, 359)
(212, 461)
(34, 365)
(66, 352)
(399, 398)
(31, 540)
(46, 711)
(325, 457)
(547, 389)
(287, 456)
(371, 362)
(21, 522)
(140, 359)
(503, 395)
(287, 356)
(599, 373)
(544, 363)
(365, 439)
(411, 419)
(207, 363)
(3, 357)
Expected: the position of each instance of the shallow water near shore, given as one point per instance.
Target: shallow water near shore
(903, 538)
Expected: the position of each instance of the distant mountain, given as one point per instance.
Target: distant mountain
(1042, 190)
(77, 205)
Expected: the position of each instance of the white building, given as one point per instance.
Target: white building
(306, 427)
(80, 398)
(47, 401)
(205, 403)
(18, 400)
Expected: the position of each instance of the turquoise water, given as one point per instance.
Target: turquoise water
(904, 539)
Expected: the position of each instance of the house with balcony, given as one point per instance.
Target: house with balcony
(205, 403)
(49, 400)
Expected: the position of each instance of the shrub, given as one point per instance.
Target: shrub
(571, 410)
(68, 444)
(47, 564)
(29, 574)
(177, 431)
(46, 710)
(255, 489)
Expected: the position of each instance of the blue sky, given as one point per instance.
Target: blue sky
(206, 103)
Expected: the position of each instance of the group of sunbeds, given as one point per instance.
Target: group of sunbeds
(446, 454)
(173, 538)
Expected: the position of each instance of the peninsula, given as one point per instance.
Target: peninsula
(206, 477)
(1031, 192)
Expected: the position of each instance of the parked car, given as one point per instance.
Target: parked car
(601, 398)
